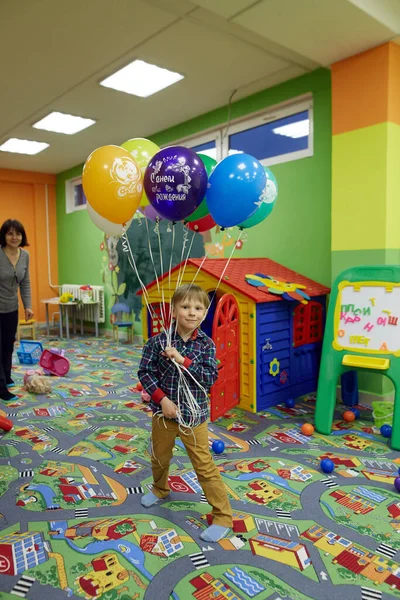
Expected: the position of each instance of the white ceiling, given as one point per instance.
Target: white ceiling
(54, 53)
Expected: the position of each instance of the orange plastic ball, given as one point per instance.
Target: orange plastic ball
(139, 387)
(348, 416)
(307, 429)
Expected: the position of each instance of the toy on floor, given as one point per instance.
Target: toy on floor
(218, 446)
(5, 424)
(290, 403)
(53, 362)
(36, 382)
(307, 429)
(397, 484)
(348, 416)
(386, 431)
(356, 412)
(327, 466)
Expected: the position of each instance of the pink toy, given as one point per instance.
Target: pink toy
(54, 362)
(32, 372)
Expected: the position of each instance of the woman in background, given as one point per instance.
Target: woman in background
(14, 274)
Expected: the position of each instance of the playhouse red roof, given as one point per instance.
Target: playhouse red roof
(238, 268)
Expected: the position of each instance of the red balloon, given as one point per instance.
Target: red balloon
(204, 224)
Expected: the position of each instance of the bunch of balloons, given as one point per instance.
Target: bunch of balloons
(176, 184)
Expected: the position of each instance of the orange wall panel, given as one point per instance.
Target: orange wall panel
(394, 84)
(23, 197)
(360, 87)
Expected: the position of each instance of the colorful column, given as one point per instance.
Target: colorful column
(366, 159)
(366, 163)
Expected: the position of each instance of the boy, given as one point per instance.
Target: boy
(193, 349)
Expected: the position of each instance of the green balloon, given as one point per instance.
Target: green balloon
(267, 203)
(202, 210)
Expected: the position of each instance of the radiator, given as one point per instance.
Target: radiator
(88, 310)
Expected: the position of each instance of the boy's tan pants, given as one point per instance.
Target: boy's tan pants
(164, 433)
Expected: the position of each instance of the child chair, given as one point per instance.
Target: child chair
(29, 326)
(121, 316)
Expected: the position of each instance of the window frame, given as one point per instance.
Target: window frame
(70, 186)
(203, 138)
(269, 116)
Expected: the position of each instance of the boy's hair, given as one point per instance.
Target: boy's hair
(190, 291)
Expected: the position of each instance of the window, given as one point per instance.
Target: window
(275, 137)
(209, 144)
(74, 195)
(279, 134)
(307, 324)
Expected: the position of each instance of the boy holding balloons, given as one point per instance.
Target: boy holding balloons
(180, 408)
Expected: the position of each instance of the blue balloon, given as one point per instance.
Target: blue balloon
(269, 196)
(235, 189)
(175, 181)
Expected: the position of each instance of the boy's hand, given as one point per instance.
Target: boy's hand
(173, 353)
(169, 409)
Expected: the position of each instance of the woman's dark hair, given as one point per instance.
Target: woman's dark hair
(12, 224)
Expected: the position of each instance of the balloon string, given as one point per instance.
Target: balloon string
(169, 337)
(128, 250)
(157, 230)
(180, 279)
(222, 274)
(163, 311)
(151, 254)
(226, 265)
(185, 239)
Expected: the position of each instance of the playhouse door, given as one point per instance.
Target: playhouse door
(225, 333)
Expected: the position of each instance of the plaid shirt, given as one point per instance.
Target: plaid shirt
(160, 377)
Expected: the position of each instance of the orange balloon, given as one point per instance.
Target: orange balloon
(113, 183)
(307, 429)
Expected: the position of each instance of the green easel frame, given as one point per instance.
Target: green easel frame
(336, 360)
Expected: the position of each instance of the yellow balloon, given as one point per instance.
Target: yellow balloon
(142, 151)
(113, 183)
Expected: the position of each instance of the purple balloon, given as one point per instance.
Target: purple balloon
(150, 212)
(175, 182)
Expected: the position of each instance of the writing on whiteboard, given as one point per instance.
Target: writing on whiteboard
(367, 317)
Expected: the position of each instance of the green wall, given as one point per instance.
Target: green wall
(78, 239)
(298, 232)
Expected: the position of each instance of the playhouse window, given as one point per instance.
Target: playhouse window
(156, 318)
(307, 324)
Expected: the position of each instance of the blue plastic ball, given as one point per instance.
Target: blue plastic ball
(398, 471)
(218, 446)
(356, 412)
(327, 465)
(290, 403)
(386, 431)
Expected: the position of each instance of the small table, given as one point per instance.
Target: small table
(66, 306)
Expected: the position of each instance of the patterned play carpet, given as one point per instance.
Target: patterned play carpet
(74, 466)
